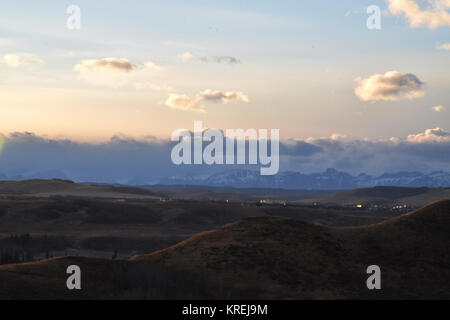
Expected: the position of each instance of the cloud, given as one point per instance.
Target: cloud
(186, 57)
(117, 160)
(434, 15)
(445, 46)
(145, 160)
(122, 73)
(152, 65)
(425, 151)
(430, 135)
(186, 103)
(183, 102)
(391, 86)
(338, 136)
(221, 59)
(19, 60)
(219, 96)
(299, 148)
(438, 108)
(106, 64)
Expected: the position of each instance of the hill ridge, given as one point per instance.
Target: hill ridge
(275, 258)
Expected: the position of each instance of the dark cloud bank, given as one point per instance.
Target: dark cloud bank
(147, 161)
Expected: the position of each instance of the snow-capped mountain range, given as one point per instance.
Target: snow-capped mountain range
(331, 179)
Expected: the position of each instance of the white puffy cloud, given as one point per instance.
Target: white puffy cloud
(152, 65)
(430, 135)
(434, 15)
(390, 86)
(105, 64)
(186, 103)
(19, 60)
(183, 102)
(219, 96)
(438, 108)
(122, 73)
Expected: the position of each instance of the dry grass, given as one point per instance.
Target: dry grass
(265, 257)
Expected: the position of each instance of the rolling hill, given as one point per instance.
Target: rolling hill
(265, 257)
(58, 187)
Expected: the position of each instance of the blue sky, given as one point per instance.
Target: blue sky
(312, 69)
(298, 62)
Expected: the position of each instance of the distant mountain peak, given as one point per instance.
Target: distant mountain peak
(330, 179)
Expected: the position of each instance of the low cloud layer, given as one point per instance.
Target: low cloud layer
(433, 14)
(106, 64)
(147, 160)
(430, 135)
(391, 86)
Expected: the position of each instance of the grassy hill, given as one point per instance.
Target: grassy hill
(57, 187)
(41, 227)
(265, 257)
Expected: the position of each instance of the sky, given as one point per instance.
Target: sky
(139, 70)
